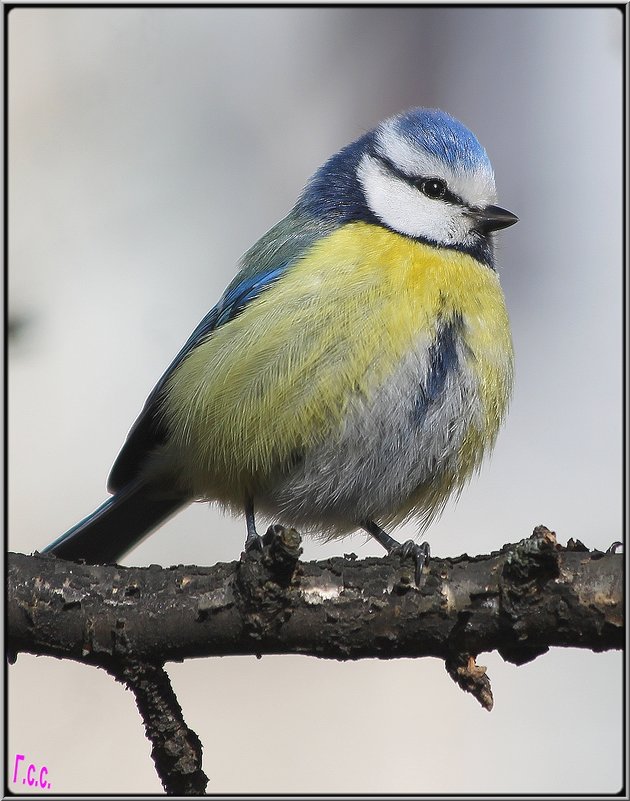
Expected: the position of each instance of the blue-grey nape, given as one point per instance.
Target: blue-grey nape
(334, 193)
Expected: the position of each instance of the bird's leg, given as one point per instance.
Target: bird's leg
(419, 552)
(253, 541)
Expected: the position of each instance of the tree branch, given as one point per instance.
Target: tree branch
(519, 601)
(176, 749)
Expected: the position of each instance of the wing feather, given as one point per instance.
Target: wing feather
(263, 265)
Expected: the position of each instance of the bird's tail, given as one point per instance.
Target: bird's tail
(117, 525)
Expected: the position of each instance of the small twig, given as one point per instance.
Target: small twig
(471, 677)
(176, 749)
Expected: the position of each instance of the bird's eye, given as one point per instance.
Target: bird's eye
(435, 188)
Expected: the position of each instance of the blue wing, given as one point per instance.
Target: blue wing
(147, 432)
(263, 265)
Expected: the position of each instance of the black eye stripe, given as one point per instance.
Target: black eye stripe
(415, 181)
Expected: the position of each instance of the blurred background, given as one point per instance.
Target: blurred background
(148, 149)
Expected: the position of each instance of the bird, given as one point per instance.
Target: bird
(354, 372)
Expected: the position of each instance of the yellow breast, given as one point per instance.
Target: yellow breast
(276, 381)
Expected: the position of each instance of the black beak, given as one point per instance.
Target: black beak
(493, 218)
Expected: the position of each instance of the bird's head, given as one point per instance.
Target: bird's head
(421, 174)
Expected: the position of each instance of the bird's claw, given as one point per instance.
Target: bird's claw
(420, 553)
(254, 543)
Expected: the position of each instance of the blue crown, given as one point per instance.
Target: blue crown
(441, 135)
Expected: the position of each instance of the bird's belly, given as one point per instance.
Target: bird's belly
(397, 453)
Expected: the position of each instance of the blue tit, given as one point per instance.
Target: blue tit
(354, 372)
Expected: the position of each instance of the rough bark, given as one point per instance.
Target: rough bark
(519, 601)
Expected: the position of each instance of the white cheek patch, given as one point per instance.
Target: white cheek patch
(476, 188)
(405, 209)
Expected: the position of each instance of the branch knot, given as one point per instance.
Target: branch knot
(264, 582)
